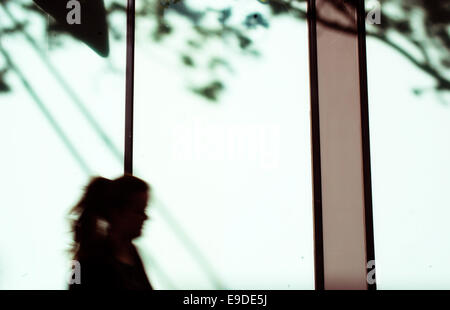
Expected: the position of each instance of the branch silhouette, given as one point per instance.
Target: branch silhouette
(423, 24)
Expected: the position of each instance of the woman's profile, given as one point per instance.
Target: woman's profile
(108, 217)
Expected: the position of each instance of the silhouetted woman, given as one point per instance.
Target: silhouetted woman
(109, 216)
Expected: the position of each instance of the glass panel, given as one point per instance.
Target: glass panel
(222, 132)
(62, 121)
(409, 83)
(344, 242)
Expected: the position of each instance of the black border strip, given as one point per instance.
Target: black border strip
(129, 91)
(365, 135)
(315, 149)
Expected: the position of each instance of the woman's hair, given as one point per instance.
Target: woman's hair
(100, 197)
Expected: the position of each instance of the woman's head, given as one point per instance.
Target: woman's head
(127, 212)
(119, 203)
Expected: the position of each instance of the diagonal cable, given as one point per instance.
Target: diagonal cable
(70, 92)
(59, 131)
(190, 245)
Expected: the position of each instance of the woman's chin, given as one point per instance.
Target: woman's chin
(137, 233)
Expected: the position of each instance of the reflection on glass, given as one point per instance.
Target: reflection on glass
(409, 83)
(61, 118)
(222, 132)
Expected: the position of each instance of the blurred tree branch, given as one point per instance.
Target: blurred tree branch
(417, 29)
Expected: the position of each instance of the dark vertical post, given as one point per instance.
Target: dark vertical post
(365, 135)
(315, 149)
(129, 91)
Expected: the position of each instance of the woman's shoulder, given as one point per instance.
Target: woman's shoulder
(96, 268)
